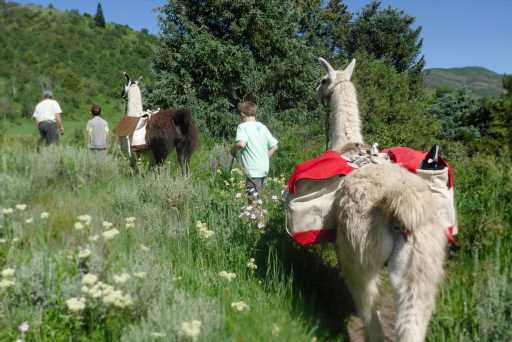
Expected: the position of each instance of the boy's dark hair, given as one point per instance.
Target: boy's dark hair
(95, 110)
(248, 108)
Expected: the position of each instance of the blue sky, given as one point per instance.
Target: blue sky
(455, 33)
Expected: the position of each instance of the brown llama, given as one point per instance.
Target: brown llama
(158, 132)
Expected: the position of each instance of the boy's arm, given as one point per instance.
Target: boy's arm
(239, 145)
(272, 150)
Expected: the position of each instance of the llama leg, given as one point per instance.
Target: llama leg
(182, 160)
(364, 287)
(415, 273)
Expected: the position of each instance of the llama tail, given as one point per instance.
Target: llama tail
(416, 263)
(183, 119)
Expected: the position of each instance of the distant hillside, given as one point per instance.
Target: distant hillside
(66, 52)
(481, 81)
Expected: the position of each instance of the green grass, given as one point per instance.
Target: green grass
(295, 294)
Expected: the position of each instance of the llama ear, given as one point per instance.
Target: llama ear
(125, 74)
(328, 67)
(350, 68)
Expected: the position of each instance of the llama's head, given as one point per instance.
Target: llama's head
(128, 84)
(333, 78)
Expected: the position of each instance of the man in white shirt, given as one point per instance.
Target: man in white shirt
(48, 118)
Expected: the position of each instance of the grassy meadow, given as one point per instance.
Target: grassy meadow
(90, 251)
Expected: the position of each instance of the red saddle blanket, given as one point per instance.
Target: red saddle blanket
(312, 186)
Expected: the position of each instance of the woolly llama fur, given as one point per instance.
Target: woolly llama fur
(387, 217)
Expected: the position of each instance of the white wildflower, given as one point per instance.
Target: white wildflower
(110, 234)
(3, 241)
(15, 240)
(79, 226)
(85, 219)
(261, 225)
(7, 211)
(129, 225)
(23, 327)
(240, 306)
(144, 248)
(205, 234)
(227, 275)
(94, 237)
(84, 253)
(76, 304)
(44, 215)
(89, 279)
(21, 207)
(139, 275)
(5, 283)
(253, 216)
(29, 220)
(157, 334)
(275, 198)
(8, 272)
(191, 329)
(130, 219)
(106, 224)
(121, 278)
(251, 264)
(238, 195)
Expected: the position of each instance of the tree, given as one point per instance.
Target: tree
(99, 19)
(216, 54)
(388, 35)
(507, 84)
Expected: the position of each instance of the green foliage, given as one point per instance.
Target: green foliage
(99, 19)
(392, 113)
(40, 51)
(507, 84)
(388, 35)
(458, 112)
(212, 55)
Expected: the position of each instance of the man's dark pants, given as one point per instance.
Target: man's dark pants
(48, 132)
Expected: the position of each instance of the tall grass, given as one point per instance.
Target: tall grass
(172, 269)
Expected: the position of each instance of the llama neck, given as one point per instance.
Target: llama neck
(134, 102)
(344, 119)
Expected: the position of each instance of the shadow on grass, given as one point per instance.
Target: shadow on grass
(319, 292)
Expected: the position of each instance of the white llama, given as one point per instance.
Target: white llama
(387, 217)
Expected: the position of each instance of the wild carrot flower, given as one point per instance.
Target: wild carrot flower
(157, 334)
(238, 195)
(240, 306)
(8, 272)
(251, 264)
(130, 219)
(110, 234)
(89, 279)
(79, 226)
(76, 304)
(85, 219)
(21, 207)
(84, 253)
(3, 241)
(7, 211)
(5, 283)
(14, 240)
(191, 329)
(106, 224)
(29, 220)
(44, 215)
(139, 275)
(144, 248)
(227, 275)
(94, 237)
(122, 278)
(129, 225)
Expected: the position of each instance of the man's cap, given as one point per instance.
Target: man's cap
(47, 93)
